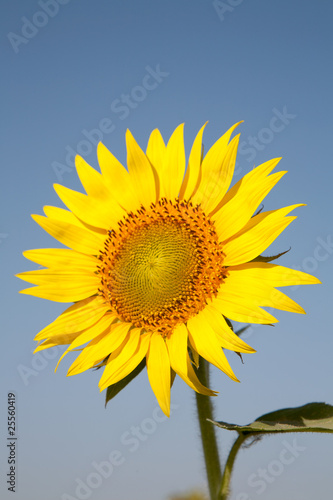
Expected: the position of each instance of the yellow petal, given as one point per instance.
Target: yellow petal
(214, 188)
(97, 330)
(117, 179)
(194, 356)
(102, 325)
(125, 359)
(227, 338)
(273, 274)
(279, 300)
(62, 214)
(177, 347)
(212, 168)
(180, 361)
(236, 308)
(192, 380)
(256, 236)
(206, 343)
(94, 211)
(172, 173)
(107, 340)
(155, 153)
(77, 317)
(77, 238)
(65, 290)
(192, 176)
(91, 180)
(141, 171)
(62, 258)
(233, 216)
(254, 292)
(55, 341)
(67, 216)
(158, 368)
(156, 150)
(256, 174)
(55, 276)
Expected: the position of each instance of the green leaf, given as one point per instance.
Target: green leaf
(114, 389)
(312, 417)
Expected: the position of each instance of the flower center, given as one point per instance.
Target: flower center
(161, 265)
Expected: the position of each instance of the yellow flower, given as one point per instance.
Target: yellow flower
(158, 257)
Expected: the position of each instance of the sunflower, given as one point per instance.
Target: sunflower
(159, 258)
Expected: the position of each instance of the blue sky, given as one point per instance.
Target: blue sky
(75, 72)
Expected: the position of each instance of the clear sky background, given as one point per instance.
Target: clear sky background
(267, 63)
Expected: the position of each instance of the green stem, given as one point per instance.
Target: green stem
(207, 430)
(225, 483)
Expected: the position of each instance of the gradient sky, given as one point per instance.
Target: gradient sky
(78, 77)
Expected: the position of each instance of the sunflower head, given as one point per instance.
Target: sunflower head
(160, 256)
(161, 265)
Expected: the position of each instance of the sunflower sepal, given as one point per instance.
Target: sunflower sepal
(114, 389)
(266, 258)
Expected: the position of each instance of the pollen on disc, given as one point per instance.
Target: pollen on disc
(161, 265)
